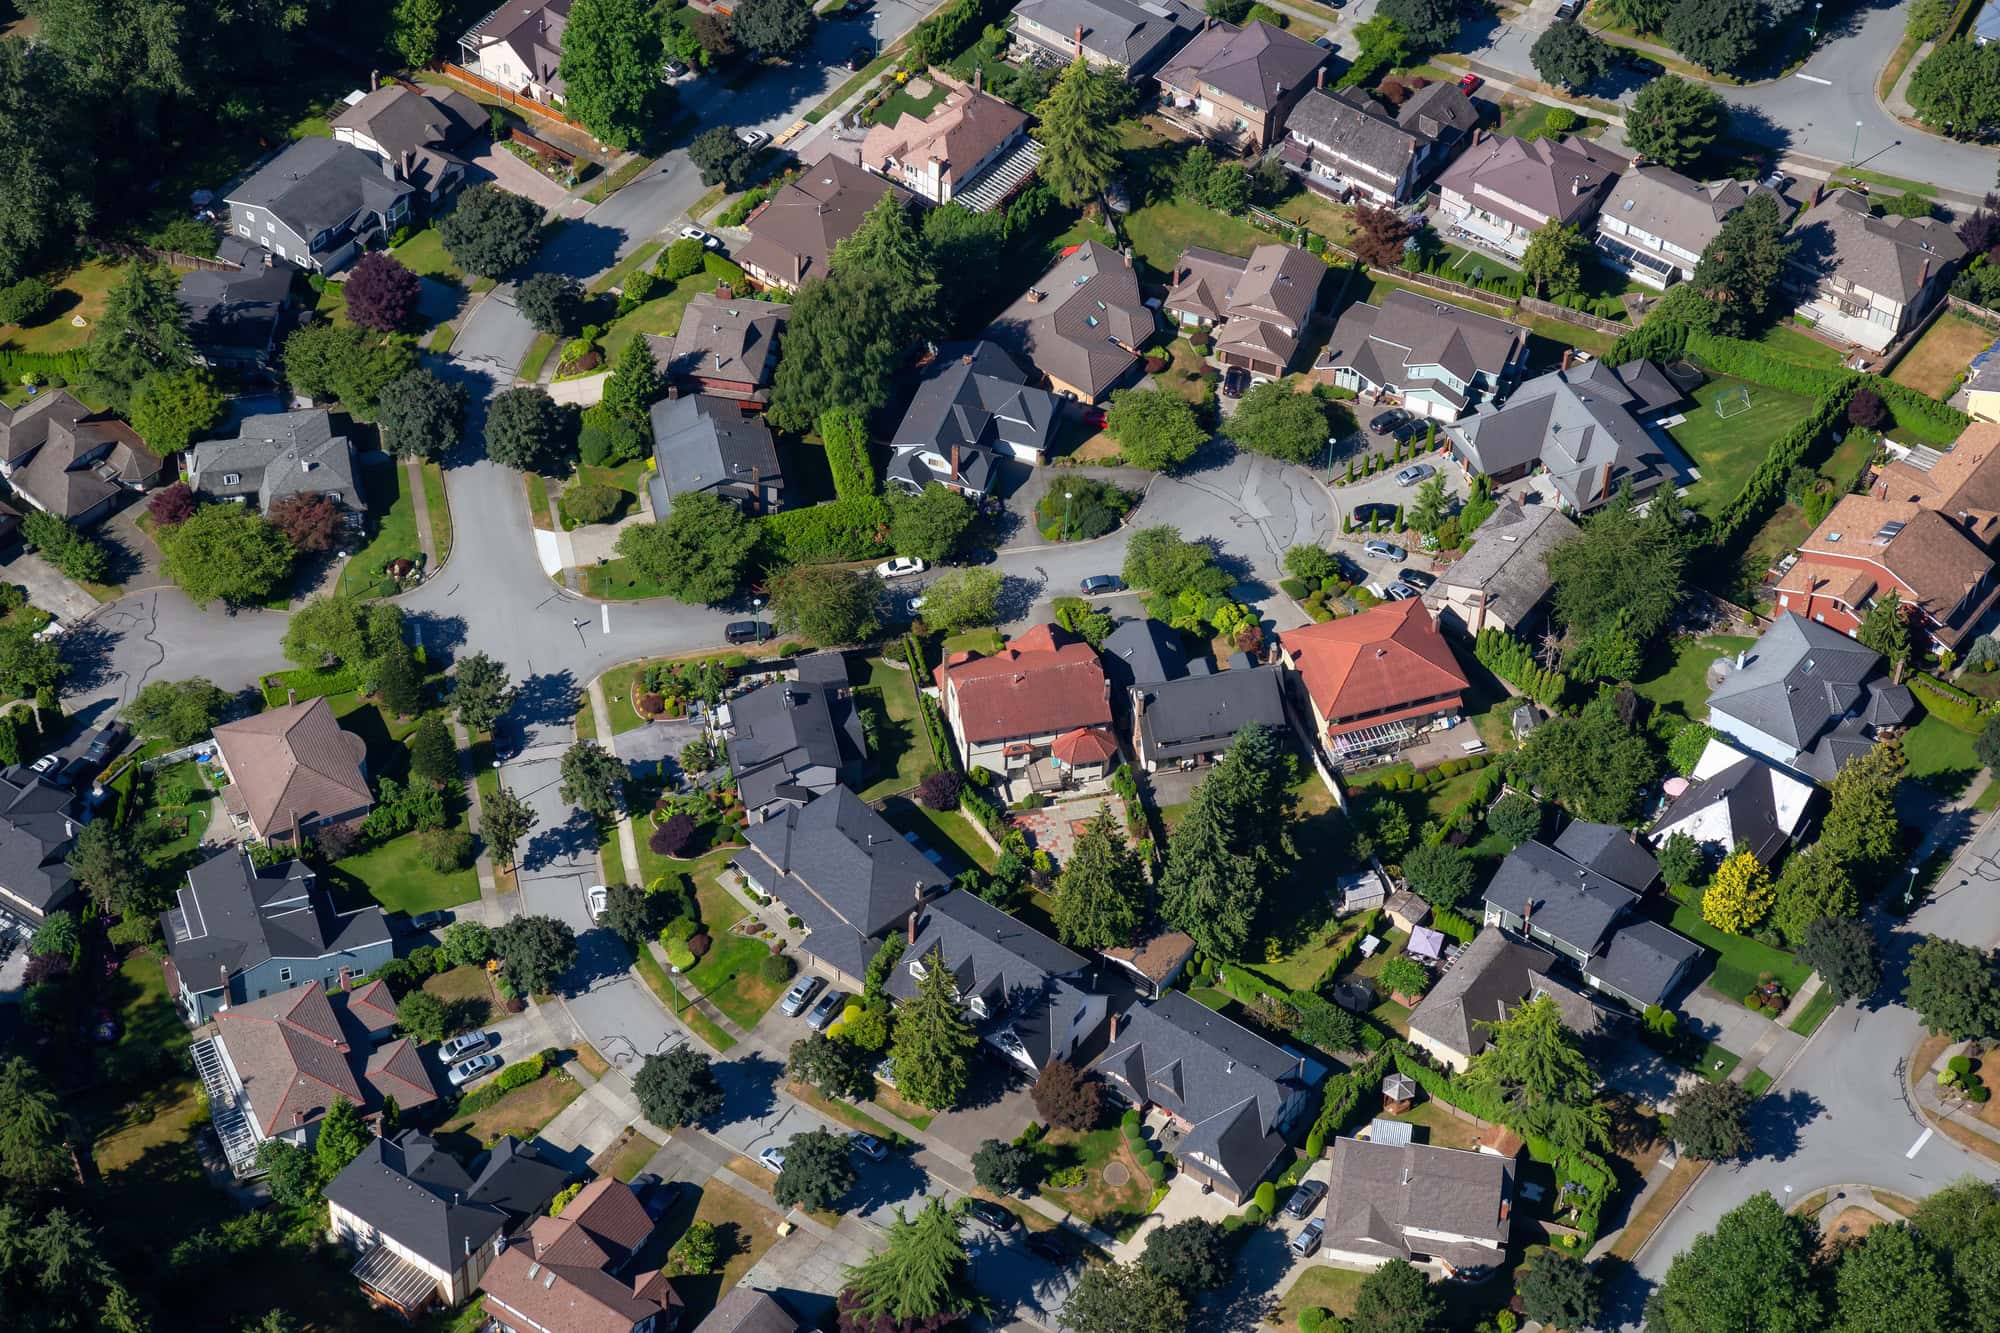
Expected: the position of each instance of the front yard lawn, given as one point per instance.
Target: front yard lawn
(744, 1231)
(901, 752)
(466, 993)
(1322, 1286)
(391, 528)
(1162, 230)
(1934, 366)
(1940, 755)
(1677, 674)
(727, 974)
(1727, 451)
(661, 314)
(627, 1157)
(616, 580)
(1118, 1209)
(521, 1112)
(1739, 961)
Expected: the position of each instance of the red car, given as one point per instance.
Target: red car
(1469, 83)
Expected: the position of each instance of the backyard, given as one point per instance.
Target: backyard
(1676, 675)
(1319, 1286)
(902, 103)
(1160, 231)
(744, 1231)
(1940, 755)
(1726, 450)
(391, 528)
(947, 832)
(900, 754)
(1937, 363)
(82, 293)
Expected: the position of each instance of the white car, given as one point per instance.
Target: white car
(464, 1045)
(900, 568)
(753, 139)
(773, 1159)
(46, 764)
(697, 234)
(477, 1067)
(595, 897)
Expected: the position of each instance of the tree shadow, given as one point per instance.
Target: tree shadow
(440, 636)
(1777, 1120)
(545, 698)
(880, 1184)
(565, 841)
(749, 1086)
(87, 651)
(600, 957)
(1018, 595)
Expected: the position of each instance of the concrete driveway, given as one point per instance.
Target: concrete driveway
(512, 174)
(997, 1105)
(47, 586)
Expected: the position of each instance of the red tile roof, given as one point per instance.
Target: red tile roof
(1085, 745)
(1042, 683)
(1387, 657)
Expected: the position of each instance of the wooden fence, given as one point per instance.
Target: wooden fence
(1580, 318)
(131, 250)
(512, 98)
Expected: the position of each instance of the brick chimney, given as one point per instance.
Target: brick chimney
(1567, 354)
(1319, 77)
(979, 78)
(1079, 41)
(1114, 1027)
(954, 464)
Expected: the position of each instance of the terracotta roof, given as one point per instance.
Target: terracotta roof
(1382, 658)
(374, 1006)
(1962, 483)
(1042, 683)
(297, 1051)
(1935, 562)
(960, 131)
(576, 1298)
(1843, 583)
(1085, 745)
(294, 761)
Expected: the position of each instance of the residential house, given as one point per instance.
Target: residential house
(1449, 1211)
(1736, 799)
(1190, 721)
(1230, 1095)
(1257, 307)
(1235, 86)
(1504, 190)
(1982, 381)
(423, 132)
(1583, 426)
(1155, 961)
(291, 770)
(67, 460)
(1655, 223)
(1867, 549)
(425, 1227)
(1129, 35)
(727, 346)
(1141, 651)
(745, 1309)
(1014, 713)
(794, 740)
(1592, 920)
(793, 236)
(1807, 697)
(973, 409)
(1349, 143)
(240, 931)
(1616, 853)
(1864, 279)
(1435, 358)
(1081, 324)
(972, 147)
(1376, 679)
(1962, 483)
(37, 827)
(1494, 975)
(838, 866)
(572, 1274)
(704, 443)
(279, 454)
(1503, 581)
(275, 1065)
(319, 203)
(1029, 997)
(234, 314)
(519, 47)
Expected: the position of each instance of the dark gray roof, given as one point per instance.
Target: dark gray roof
(1796, 683)
(974, 394)
(913, 468)
(230, 916)
(275, 455)
(1642, 962)
(1890, 256)
(236, 311)
(1508, 561)
(1256, 64)
(790, 739)
(1013, 969)
(1747, 791)
(36, 828)
(1578, 423)
(1354, 126)
(748, 1310)
(1378, 1194)
(1134, 33)
(402, 120)
(316, 184)
(1142, 651)
(1652, 391)
(702, 441)
(1493, 975)
(1567, 901)
(1196, 714)
(413, 1190)
(1613, 852)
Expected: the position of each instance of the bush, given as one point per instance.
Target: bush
(1267, 1198)
(698, 945)
(939, 790)
(587, 503)
(1156, 1171)
(777, 969)
(1253, 1216)
(25, 301)
(673, 835)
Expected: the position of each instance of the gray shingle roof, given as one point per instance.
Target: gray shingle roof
(1378, 1194)
(1578, 423)
(1796, 682)
(1141, 651)
(411, 1189)
(1751, 809)
(236, 312)
(1385, 344)
(1642, 962)
(1669, 205)
(232, 915)
(1530, 180)
(1354, 126)
(1015, 971)
(276, 455)
(701, 441)
(1493, 975)
(1890, 256)
(1134, 33)
(1508, 561)
(790, 739)
(1080, 320)
(316, 184)
(36, 830)
(1611, 851)
(1569, 902)
(1195, 714)
(748, 1310)
(1256, 64)
(975, 396)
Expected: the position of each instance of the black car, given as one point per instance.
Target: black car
(1366, 514)
(979, 555)
(992, 1214)
(1390, 420)
(108, 741)
(1305, 1198)
(1416, 578)
(1235, 382)
(747, 631)
(1412, 430)
(1045, 1244)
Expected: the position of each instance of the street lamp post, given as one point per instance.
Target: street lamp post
(1812, 33)
(1854, 158)
(1910, 894)
(1067, 497)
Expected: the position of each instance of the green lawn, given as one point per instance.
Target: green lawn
(1940, 755)
(943, 831)
(1817, 1008)
(391, 528)
(82, 291)
(655, 976)
(1739, 961)
(1161, 231)
(1319, 1286)
(617, 581)
(1728, 450)
(1799, 348)
(395, 876)
(901, 752)
(900, 103)
(615, 276)
(1532, 121)
(662, 315)
(424, 255)
(1677, 674)
(439, 504)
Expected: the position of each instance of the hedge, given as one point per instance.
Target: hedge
(822, 533)
(1749, 361)
(951, 30)
(1448, 922)
(1765, 488)
(1949, 704)
(1513, 661)
(1656, 339)
(1918, 414)
(845, 437)
(15, 367)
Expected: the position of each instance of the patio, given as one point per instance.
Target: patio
(1054, 828)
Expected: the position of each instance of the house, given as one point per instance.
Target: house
(1029, 996)
(1007, 713)
(37, 827)
(291, 770)
(1591, 920)
(1982, 385)
(727, 346)
(1503, 581)
(234, 314)
(1655, 223)
(1503, 190)
(239, 931)
(1257, 307)
(972, 409)
(572, 1273)
(1406, 911)
(1616, 853)
(1437, 358)
(1190, 721)
(1230, 1095)
(1582, 425)
(793, 236)
(1235, 86)
(67, 460)
(794, 740)
(276, 1064)
(1349, 143)
(1375, 679)
(838, 866)
(425, 1227)
(1736, 799)
(704, 443)
(1864, 279)
(1962, 483)
(279, 454)
(422, 132)
(1129, 35)
(519, 47)
(972, 147)
(319, 203)
(1141, 651)
(1082, 323)
(1154, 961)
(744, 1309)
(1867, 548)
(1449, 1211)
(1807, 697)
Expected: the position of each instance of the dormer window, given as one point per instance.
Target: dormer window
(918, 970)
(978, 1006)
(231, 478)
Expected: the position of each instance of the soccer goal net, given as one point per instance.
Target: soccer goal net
(1733, 403)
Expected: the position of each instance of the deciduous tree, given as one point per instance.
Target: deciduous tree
(1154, 429)
(836, 1067)
(413, 30)
(592, 779)
(1555, 255)
(1193, 1255)
(1570, 55)
(179, 712)
(1842, 951)
(722, 157)
(1711, 1120)
(678, 1088)
(421, 1016)
(825, 604)
(1431, 24)
(534, 951)
(819, 1169)
(930, 524)
(380, 293)
(504, 819)
(1065, 1097)
(553, 302)
(1124, 1298)
(1274, 421)
(421, 416)
(1381, 234)
(1954, 988)
(309, 521)
(1813, 886)
(229, 553)
(491, 231)
(773, 29)
(1719, 35)
(1739, 895)
(1516, 817)
(170, 408)
(1439, 873)
(1892, 1279)
(1003, 1167)
(698, 553)
(1396, 1298)
(962, 599)
(611, 59)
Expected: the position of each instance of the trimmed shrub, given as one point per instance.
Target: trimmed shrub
(777, 969)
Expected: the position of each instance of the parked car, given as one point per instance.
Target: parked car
(1416, 578)
(656, 1196)
(1567, 11)
(900, 568)
(45, 766)
(697, 234)
(1399, 592)
(992, 1214)
(1778, 181)
(773, 1159)
(1101, 583)
(1389, 420)
(1305, 1198)
(108, 741)
(747, 631)
(1643, 66)
(676, 69)
(1366, 513)
(915, 605)
(596, 898)
(799, 996)
(1045, 1244)
(1308, 1237)
(1386, 550)
(978, 555)
(443, 916)
(753, 139)
(462, 1047)
(869, 1146)
(477, 1067)
(1414, 473)
(1412, 430)
(1235, 382)
(1324, 43)
(1469, 83)
(829, 1007)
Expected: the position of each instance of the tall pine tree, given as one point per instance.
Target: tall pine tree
(1079, 133)
(913, 1281)
(1101, 892)
(1230, 846)
(933, 1039)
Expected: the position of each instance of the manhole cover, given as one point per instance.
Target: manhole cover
(1115, 1174)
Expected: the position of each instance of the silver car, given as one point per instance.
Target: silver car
(1399, 592)
(461, 1046)
(477, 1067)
(1414, 473)
(1386, 550)
(1308, 1237)
(799, 996)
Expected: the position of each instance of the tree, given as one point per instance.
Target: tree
(1814, 885)
(698, 553)
(1439, 873)
(1230, 845)
(1885, 630)
(179, 712)
(635, 383)
(837, 1068)
(1842, 951)
(291, 1173)
(1534, 1066)
(1861, 827)
(1124, 1298)
(1274, 421)
(1431, 506)
(481, 691)
(1739, 896)
(1719, 35)
(1592, 763)
(1101, 890)
(48, 175)
(170, 408)
(592, 779)
(380, 293)
(534, 951)
(226, 552)
(399, 684)
(1555, 254)
(310, 522)
(421, 416)
(504, 819)
(526, 430)
(773, 29)
(1570, 55)
(933, 1039)
(1738, 273)
(57, 937)
(1953, 988)
(1430, 24)
(631, 914)
(467, 943)
(553, 302)
(491, 231)
(722, 157)
(1561, 1291)
(1711, 1120)
(1396, 1298)
(1001, 1167)
(840, 350)
(1079, 137)
(1954, 89)
(342, 630)
(825, 604)
(1681, 860)
(1620, 570)
(34, 1150)
(413, 30)
(422, 1017)
(1381, 234)
(143, 330)
(433, 753)
(1193, 1255)
(962, 599)
(913, 1281)
(611, 58)
(1065, 1098)
(171, 505)
(1891, 1278)
(340, 361)
(76, 555)
(819, 1168)
(342, 1136)
(103, 860)
(1674, 120)
(678, 1088)
(961, 244)
(890, 245)
(1516, 817)
(1154, 429)
(928, 525)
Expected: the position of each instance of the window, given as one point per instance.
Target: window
(231, 478)
(285, 975)
(242, 229)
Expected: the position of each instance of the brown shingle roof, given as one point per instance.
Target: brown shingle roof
(294, 761)
(576, 1298)
(1043, 682)
(1081, 321)
(1936, 562)
(793, 236)
(296, 1052)
(1256, 64)
(1530, 180)
(1381, 658)
(1963, 483)
(960, 131)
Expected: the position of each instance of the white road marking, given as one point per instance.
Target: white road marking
(1814, 78)
(605, 607)
(1918, 1146)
